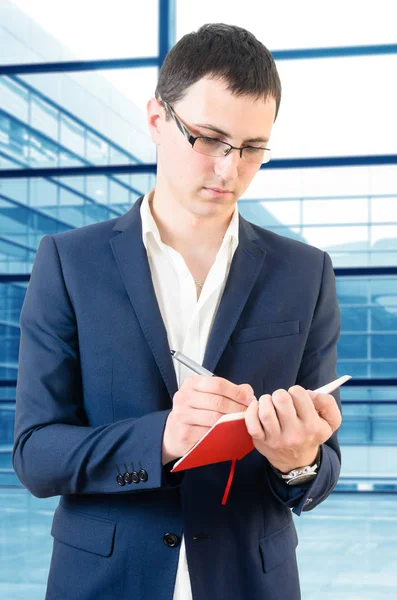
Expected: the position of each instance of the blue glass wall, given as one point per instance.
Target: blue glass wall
(60, 120)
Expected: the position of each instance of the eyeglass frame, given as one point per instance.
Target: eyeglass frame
(192, 139)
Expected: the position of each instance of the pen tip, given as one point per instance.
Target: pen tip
(172, 352)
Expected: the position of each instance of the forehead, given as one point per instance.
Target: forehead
(209, 101)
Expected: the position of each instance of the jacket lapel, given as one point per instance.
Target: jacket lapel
(246, 265)
(132, 262)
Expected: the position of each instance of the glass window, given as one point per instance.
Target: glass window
(43, 193)
(97, 150)
(384, 210)
(44, 117)
(14, 98)
(97, 188)
(341, 211)
(273, 213)
(384, 318)
(354, 318)
(42, 152)
(355, 369)
(384, 290)
(283, 25)
(384, 346)
(119, 193)
(338, 117)
(14, 140)
(384, 369)
(348, 197)
(384, 237)
(71, 135)
(335, 238)
(102, 113)
(354, 429)
(40, 31)
(352, 346)
(16, 189)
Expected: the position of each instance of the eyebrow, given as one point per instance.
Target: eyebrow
(225, 134)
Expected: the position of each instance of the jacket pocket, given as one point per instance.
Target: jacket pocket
(266, 330)
(84, 532)
(278, 546)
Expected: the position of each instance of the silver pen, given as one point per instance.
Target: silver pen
(191, 364)
(188, 362)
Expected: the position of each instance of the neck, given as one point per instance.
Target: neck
(185, 231)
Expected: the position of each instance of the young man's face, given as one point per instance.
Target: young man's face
(193, 178)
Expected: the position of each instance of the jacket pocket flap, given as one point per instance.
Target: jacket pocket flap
(266, 330)
(87, 533)
(278, 546)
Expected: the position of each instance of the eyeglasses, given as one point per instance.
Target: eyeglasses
(214, 147)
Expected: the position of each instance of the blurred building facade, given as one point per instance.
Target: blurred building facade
(69, 119)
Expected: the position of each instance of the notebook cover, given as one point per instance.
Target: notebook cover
(226, 440)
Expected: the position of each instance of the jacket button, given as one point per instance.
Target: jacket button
(171, 540)
(135, 477)
(127, 477)
(143, 476)
(120, 480)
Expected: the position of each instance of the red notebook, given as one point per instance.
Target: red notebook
(229, 439)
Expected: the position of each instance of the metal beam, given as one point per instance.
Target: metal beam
(78, 171)
(334, 52)
(282, 163)
(167, 40)
(331, 161)
(79, 65)
(364, 271)
(167, 17)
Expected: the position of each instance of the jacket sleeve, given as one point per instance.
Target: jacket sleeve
(55, 451)
(318, 367)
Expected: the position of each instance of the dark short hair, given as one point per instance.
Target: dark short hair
(224, 52)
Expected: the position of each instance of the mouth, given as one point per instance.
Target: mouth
(218, 191)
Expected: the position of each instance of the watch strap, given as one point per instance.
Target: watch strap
(301, 474)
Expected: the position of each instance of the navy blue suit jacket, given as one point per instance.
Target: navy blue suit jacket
(95, 387)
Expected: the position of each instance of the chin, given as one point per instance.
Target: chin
(210, 208)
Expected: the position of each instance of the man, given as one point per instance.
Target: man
(103, 412)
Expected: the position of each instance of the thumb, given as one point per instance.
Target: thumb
(327, 409)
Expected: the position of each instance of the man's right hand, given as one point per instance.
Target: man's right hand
(197, 406)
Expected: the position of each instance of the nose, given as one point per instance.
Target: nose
(226, 167)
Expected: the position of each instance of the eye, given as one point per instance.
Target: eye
(253, 150)
(210, 141)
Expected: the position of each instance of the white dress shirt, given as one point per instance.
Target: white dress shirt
(188, 320)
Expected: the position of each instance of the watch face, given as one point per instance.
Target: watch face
(302, 478)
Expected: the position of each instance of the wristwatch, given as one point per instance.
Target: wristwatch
(302, 474)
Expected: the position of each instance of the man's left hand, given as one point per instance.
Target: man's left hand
(288, 427)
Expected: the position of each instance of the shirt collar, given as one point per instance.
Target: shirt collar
(149, 225)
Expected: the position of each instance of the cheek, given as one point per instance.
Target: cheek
(196, 167)
(247, 175)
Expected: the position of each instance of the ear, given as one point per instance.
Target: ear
(155, 117)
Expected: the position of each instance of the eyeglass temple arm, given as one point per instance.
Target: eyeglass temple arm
(178, 123)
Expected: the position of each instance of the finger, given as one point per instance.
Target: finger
(268, 418)
(253, 423)
(328, 409)
(303, 403)
(222, 387)
(285, 410)
(213, 402)
(248, 390)
(204, 418)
